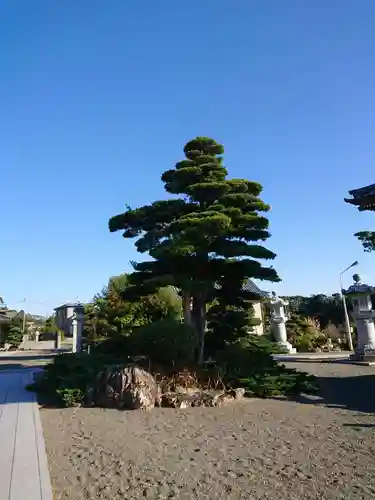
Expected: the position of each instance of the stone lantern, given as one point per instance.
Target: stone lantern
(279, 317)
(70, 318)
(360, 296)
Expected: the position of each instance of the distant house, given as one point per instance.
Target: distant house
(64, 316)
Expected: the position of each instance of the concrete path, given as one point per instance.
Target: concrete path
(24, 473)
(314, 356)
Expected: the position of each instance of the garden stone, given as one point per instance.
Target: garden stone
(201, 398)
(238, 393)
(124, 387)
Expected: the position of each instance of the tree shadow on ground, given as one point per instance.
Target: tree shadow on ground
(27, 360)
(352, 393)
(15, 366)
(26, 357)
(360, 426)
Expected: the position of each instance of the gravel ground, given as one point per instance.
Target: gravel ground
(314, 448)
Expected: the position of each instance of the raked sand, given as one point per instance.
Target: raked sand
(255, 449)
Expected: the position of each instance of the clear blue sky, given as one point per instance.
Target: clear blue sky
(97, 98)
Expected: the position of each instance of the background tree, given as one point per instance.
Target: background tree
(326, 309)
(206, 237)
(111, 314)
(50, 325)
(304, 333)
(315, 318)
(367, 238)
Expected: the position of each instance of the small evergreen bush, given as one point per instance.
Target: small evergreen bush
(64, 382)
(252, 366)
(166, 342)
(14, 336)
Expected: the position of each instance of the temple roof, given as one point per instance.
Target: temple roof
(250, 286)
(363, 198)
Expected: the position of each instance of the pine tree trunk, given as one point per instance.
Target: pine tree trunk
(186, 302)
(199, 315)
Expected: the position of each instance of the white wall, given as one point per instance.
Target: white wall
(258, 313)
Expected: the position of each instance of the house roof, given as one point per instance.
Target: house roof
(5, 317)
(13, 314)
(69, 304)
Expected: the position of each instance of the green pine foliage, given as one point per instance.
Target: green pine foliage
(14, 336)
(367, 239)
(209, 235)
(228, 324)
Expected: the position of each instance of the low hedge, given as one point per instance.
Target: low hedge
(64, 381)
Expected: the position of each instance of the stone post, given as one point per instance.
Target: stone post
(77, 326)
(278, 322)
(57, 340)
(69, 318)
(360, 296)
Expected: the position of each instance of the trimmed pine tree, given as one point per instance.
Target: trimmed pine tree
(207, 241)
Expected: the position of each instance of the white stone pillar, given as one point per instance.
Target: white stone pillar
(360, 296)
(365, 334)
(76, 341)
(77, 324)
(278, 322)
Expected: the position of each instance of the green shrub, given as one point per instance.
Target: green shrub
(166, 342)
(171, 345)
(65, 380)
(14, 336)
(304, 333)
(71, 397)
(283, 381)
(118, 347)
(253, 367)
(264, 344)
(228, 324)
(304, 343)
(238, 361)
(253, 355)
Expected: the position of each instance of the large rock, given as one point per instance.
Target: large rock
(124, 387)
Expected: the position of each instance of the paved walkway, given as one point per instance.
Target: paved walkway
(24, 473)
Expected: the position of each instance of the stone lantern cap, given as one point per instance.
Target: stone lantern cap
(358, 288)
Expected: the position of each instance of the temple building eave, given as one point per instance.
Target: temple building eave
(362, 202)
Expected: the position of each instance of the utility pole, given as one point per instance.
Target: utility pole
(346, 315)
(24, 316)
(23, 301)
